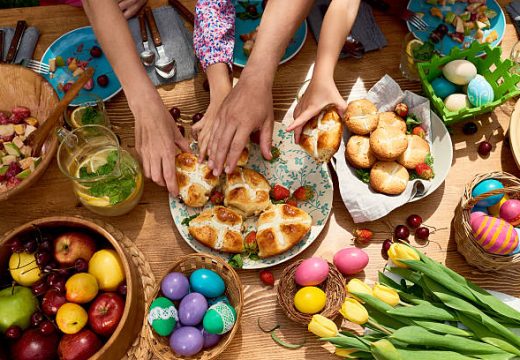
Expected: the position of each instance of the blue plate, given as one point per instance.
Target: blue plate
(77, 43)
(498, 23)
(248, 25)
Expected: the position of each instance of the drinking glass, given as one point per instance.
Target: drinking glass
(90, 112)
(408, 65)
(515, 57)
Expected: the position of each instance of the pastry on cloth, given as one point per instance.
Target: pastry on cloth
(416, 152)
(218, 228)
(389, 177)
(388, 143)
(321, 135)
(246, 192)
(196, 181)
(361, 117)
(358, 152)
(391, 119)
(281, 227)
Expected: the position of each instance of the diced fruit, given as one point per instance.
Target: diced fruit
(4, 118)
(19, 129)
(8, 159)
(267, 277)
(78, 72)
(52, 65)
(24, 174)
(303, 193)
(436, 12)
(28, 130)
(102, 80)
(96, 52)
(26, 150)
(31, 121)
(66, 87)
(18, 141)
(449, 17)
(73, 65)
(60, 61)
(424, 171)
(459, 25)
(492, 36)
(6, 130)
(12, 149)
(21, 112)
(278, 192)
(89, 85)
(419, 131)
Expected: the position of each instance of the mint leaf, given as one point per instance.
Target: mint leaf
(424, 52)
(236, 261)
(413, 175)
(90, 116)
(429, 160)
(363, 175)
(105, 169)
(186, 221)
(254, 257)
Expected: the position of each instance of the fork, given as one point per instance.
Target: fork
(37, 66)
(414, 19)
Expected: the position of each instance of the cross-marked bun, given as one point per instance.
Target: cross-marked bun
(415, 153)
(246, 192)
(391, 119)
(196, 181)
(388, 177)
(361, 117)
(321, 135)
(388, 143)
(358, 152)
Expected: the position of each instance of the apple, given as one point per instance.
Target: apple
(107, 268)
(71, 318)
(70, 246)
(33, 345)
(80, 346)
(81, 288)
(17, 304)
(23, 268)
(105, 313)
(51, 302)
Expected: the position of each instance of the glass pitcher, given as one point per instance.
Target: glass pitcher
(107, 180)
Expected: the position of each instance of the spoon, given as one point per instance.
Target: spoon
(147, 56)
(37, 138)
(165, 66)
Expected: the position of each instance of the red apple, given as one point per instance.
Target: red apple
(79, 346)
(69, 247)
(105, 313)
(33, 345)
(51, 302)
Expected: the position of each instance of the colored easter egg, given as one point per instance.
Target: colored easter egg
(496, 236)
(210, 340)
(474, 215)
(207, 282)
(221, 298)
(510, 212)
(219, 319)
(486, 186)
(480, 91)
(351, 260)
(311, 272)
(456, 102)
(162, 316)
(495, 209)
(187, 341)
(459, 72)
(310, 300)
(175, 286)
(443, 88)
(192, 309)
(480, 209)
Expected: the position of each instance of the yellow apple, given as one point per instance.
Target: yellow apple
(107, 268)
(71, 318)
(23, 268)
(81, 288)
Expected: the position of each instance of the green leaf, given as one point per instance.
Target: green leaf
(424, 52)
(431, 355)
(91, 115)
(236, 261)
(424, 310)
(384, 350)
(411, 122)
(385, 280)
(429, 160)
(349, 342)
(363, 175)
(186, 221)
(443, 328)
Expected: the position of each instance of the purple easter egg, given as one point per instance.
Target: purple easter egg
(192, 309)
(187, 341)
(210, 340)
(175, 286)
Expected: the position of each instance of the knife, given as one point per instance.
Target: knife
(16, 41)
(176, 4)
(1, 46)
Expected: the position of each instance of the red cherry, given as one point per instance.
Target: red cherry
(81, 265)
(95, 51)
(46, 327)
(102, 80)
(121, 289)
(13, 332)
(175, 112)
(40, 287)
(401, 232)
(485, 148)
(16, 246)
(386, 246)
(414, 221)
(197, 117)
(36, 318)
(422, 233)
(42, 258)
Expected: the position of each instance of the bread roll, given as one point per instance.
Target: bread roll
(415, 153)
(361, 117)
(388, 143)
(321, 135)
(388, 177)
(195, 181)
(246, 192)
(391, 119)
(244, 157)
(358, 152)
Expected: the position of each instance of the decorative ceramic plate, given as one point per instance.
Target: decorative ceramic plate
(293, 169)
(498, 23)
(77, 43)
(247, 25)
(514, 133)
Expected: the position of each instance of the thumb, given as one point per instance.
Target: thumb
(341, 106)
(182, 143)
(302, 119)
(266, 138)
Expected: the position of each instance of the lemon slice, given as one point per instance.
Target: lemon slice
(94, 201)
(95, 161)
(412, 45)
(76, 115)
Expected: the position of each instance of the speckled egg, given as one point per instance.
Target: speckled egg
(207, 282)
(496, 236)
(456, 102)
(351, 260)
(495, 209)
(443, 88)
(311, 272)
(162, 316)
(510, 212)
(219, 319)
(480, 91)
(486, 186)
(459, 72)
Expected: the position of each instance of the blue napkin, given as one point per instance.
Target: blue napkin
(27, 46)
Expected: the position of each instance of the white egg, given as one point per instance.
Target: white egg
(456, 102)
(459, 72)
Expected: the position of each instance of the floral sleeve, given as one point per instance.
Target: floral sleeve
(214, 33)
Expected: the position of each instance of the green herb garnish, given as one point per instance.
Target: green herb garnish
(103, 170)
(413, 175)
(90, 116)
(236, 261)
(275, 153)
(186, 220)
(424, 52)
(363, 175)
(411, 122)
(254, 256)
(428, 160)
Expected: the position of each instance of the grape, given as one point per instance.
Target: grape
(13, 332)
(42, 258)
(16, 246)
(81, 265)
(46, 327)
(30, 246)
(36, 318)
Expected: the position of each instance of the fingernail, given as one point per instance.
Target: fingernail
(210, 164)
(215, 172)
(227, 170)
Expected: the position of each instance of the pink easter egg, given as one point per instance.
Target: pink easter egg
(496, 236)
(510, 212)
(311, 272)
(351, 260)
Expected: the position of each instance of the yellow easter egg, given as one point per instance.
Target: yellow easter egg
(495, 209)
(310, 300)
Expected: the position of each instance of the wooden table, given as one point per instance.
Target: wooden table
(150, 224)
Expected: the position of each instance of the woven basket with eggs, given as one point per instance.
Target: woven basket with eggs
(487, 222)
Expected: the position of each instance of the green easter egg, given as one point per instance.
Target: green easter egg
(162, 316)
(219, 318)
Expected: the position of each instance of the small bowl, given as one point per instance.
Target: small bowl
(130, 324)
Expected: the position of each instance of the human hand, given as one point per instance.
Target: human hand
(131, 7)
(318, 95)
(202, 130)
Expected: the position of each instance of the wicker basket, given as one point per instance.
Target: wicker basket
(333, 286)
(466, 243)
(186, 265)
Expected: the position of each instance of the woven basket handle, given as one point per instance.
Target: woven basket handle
(470, 202)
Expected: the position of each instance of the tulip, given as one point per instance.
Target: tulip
(345, 353)
(322, 327)
(358, 286)
(386, 294)
(353, 311)
(402, 252)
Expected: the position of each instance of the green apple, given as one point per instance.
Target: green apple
(17, 304)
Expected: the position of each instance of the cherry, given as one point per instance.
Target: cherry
(484, 148)
(50, 267)
(422, 233)
(175, 112)
(102, 80)
(96, 52)
(414, 221)
(40, 287)
(30, 246)
(197, 117)
(121, 289)
(470, 128)
(401, 232)
(52, 278)
(13, 332)
(59, 285)
(42, 258)
(81, 265)
(386, 246)
(36, 318)
(45, 245)
(46, 327)
(251, 9)
(63, 271)
(16, 246)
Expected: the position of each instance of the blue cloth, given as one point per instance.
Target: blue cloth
(27, 46)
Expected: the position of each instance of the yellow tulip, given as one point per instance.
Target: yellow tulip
(386, 294)
(322, 326)
(358, 286)
(402, 252)
(353, 311)
(345, 353)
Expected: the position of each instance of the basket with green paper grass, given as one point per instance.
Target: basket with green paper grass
(490, 66)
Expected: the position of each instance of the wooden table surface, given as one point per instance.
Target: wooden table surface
(150, 224)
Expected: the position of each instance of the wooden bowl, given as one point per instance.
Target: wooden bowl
(23, 87)
(130, 325)
(186, 265)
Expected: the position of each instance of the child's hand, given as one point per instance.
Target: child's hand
(202, 130)
(318, 95)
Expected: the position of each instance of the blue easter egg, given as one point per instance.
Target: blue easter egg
(486, 186)
(207, 282)
(443, 88)
(480, 91)
(480, 209)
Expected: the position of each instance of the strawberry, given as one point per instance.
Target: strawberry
(292, 202)
(303, 193)
(278, 192)
(424, 171)
(419, 131)
(363, 235)
(255, 137)
(267, 277)
(216, 198)
(250, 242)
(401, 109)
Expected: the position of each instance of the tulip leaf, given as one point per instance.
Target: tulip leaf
(385, 280)
(424, 310)
(443, 328)
(348, 342)
(384, 350)
(432, 355)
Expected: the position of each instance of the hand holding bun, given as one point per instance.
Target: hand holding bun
(196, 181)
(361, 117)
(321, 135)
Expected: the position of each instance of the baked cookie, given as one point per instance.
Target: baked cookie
(246, 192)
(415, 153)
(391, 119)
(388, 143)
(281, 227)
(321, 135)
(361, 117)
(388, 177)
(196, 181)
(358, 152)
(218, 228)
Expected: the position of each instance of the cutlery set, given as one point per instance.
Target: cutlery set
(21, 26)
